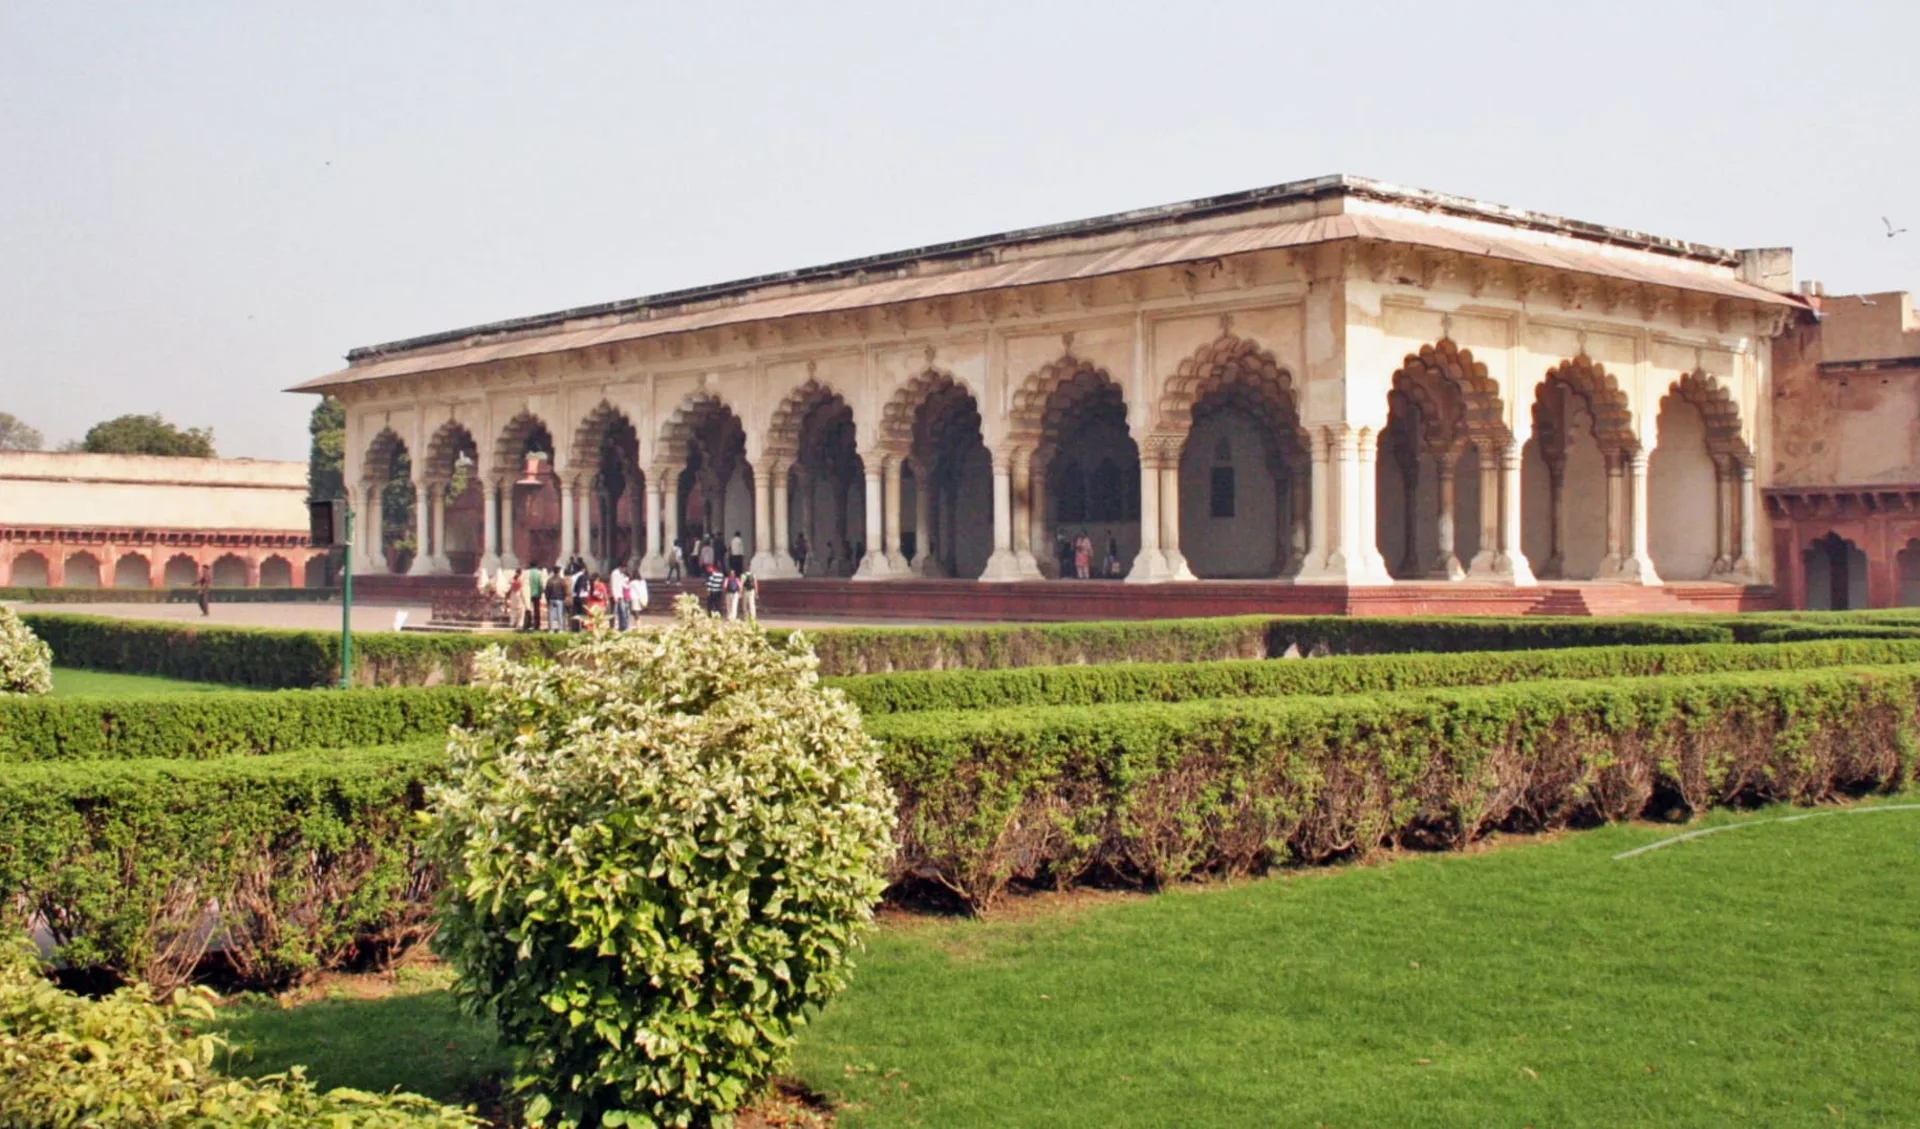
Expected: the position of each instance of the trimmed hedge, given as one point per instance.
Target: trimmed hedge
(168, 595)
(309, 858)
(278, 658)
(1161, 792)
(239, 723)
(313, 857)
(1176, 682)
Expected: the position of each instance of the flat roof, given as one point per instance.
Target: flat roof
(981, 248)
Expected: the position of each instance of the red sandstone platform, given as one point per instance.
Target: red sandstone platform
(1049, 600)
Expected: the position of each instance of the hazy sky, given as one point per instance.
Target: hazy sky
(203, 203)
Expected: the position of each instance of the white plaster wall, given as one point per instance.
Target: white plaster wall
(1240, 546)
(1682, 513)
(739, 513)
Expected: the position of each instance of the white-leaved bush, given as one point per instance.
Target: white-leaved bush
(26, 662)
(661, 852)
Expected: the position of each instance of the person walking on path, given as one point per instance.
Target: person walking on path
(206, 590)
(737, 554)
(750, 595)
(536, 597)
(674, 571)
(617, 594)
(517, 601)
(733, 594)
(636, 596)
(716, 584)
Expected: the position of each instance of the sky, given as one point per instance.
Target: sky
(203, 203)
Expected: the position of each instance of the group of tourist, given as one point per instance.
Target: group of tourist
(568, 598)
(1075, 555)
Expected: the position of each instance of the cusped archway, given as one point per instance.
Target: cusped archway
(606, 453)
(947, 497)
(1085, 473)
(704, 445)
(1438, 478)
(528, 525)
(1694, 479)
(1572, 525)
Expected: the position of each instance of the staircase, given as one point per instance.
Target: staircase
(1612, 599)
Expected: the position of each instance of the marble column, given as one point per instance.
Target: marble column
(782, 535)
(891, 510)
(1150, 563)
(1324, 563)
(1512, 562)
(1169, 521)
(873, 566)
(1486, 562)
(1023, 511)
(764, 563)
(509, 557)
(670, 516)
(1446, 564)
(923, 520)
(1002, 565)
(1745, 570)
(1636, 566)
(1039, 540)
(1723, 485)
(422, 564)
(1615, 519)
(569, 511)
(489, 527)
(376, 529)
(1300, 514)
(437, 494)
(654, 561)
(1362, 507)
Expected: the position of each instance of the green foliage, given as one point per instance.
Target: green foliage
(1178, 682)
(1161, 792)
(310, 857)
(128, 1061)
(228, 723)
(661, 853)
(26, 662)
(282, 658)
(326, 457)
(16, 435)
(147, 435)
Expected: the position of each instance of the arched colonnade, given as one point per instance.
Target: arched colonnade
(1219, 476)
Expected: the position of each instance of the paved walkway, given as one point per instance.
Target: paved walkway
(326, 617)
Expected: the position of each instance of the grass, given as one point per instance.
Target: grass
(70, 682)
(1764, 976)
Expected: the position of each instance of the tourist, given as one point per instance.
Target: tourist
(598, 597)
(800, 553)
(517, 601)
(1063, 553)
(674, 571)
(536, 596)
(737, 554)
(1110, 568)
(833, 559)
(732, 589)
(556, 592)
(582, 588)
(715, 585)
(706, 556)
(1082, 556)
(206, 590)
(750, 595)
(636, 596)
(617, 596)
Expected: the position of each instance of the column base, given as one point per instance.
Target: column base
(421, 566)
(1004, 566)
(507, 561)
(874, 566)
(653, 566)
(488, 563)
(1338, 568)
(1629, 570)
(1177, 569)
(764, 564)
(1446, 567)
(1149, 567)
(1514, 568)
(1485, 565)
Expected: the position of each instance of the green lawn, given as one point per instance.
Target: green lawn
(69, 682)
(1768, 975)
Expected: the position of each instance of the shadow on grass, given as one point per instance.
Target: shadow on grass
(420, 1043)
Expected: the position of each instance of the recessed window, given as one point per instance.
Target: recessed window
(1221, 494)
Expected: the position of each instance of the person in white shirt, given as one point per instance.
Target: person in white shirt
(617, 595)
(736, 554)
(636, 595)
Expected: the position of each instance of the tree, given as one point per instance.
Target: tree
(147, 435)
(15, 435)
(326, 459)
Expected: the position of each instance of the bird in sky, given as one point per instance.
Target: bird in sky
(1891, 230)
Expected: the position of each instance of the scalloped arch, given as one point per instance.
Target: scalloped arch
(511, 447)
(1717, 408)
(1606, 402)
(449, 441)
(785, 431)
(378, 465)
(699, 410)
(1459, 402)
(601, 424)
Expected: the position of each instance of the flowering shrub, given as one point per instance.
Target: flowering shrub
(126, 1060)
(26, 662)
(661, 851)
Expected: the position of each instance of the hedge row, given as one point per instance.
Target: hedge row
(1161, 792)
(278, 658)
(209, 726)
(240, 723)
(311, 858)
(1178, 682)
(168, 595)
(287, 863)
